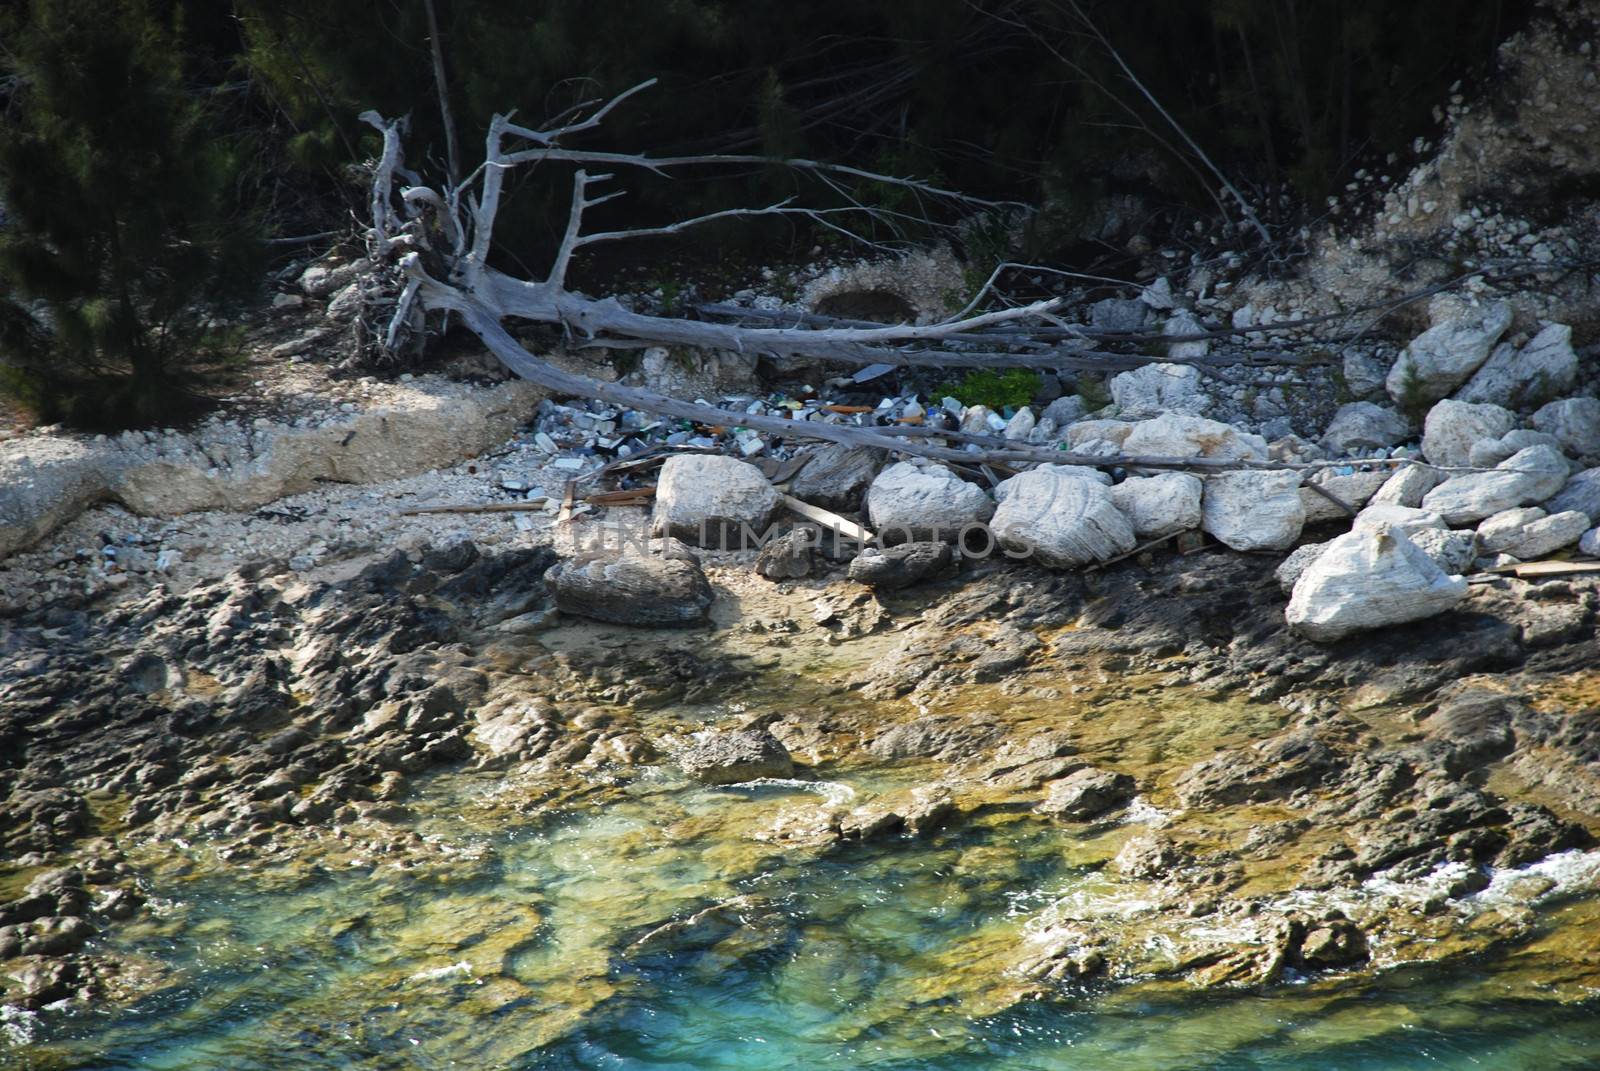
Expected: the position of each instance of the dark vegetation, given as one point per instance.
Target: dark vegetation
(148, 148)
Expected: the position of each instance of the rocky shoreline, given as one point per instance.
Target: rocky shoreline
(273, 718)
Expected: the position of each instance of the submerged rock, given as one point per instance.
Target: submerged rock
(1086, 794)
(1367, 579)
(728, 757)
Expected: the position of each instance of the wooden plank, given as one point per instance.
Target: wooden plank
(828, 519)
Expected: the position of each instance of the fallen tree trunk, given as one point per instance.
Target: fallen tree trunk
(443, 270)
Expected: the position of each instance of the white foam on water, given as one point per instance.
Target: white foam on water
(835, 792)
(1572, 871)
(1141, 812)
(18, 1026)
(442, 972)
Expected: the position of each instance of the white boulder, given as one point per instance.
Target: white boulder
(1408, 484)
(1021, 424)
(1545, 368)
(1060, 519)
(910, 503)
(1575, 422)
(1159, 388)
(1361, 427)
(1451, 428)
(1183, 323)
(1528, 476)
(705, 499)
(1401, 519)
(1369, 579)
(1181, 435)
(1530, 533)
(1253, 510)
(1445, 355)
(1158, 506)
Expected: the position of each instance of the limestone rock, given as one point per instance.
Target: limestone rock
(1443, 357)
(836, 476)
(1530, 533)
(632, 590)
(1575, 422)
(1086, 793)
(1362, 427)
(706, 500)
(1487, 453)
(1364, 373)
(1581, 493)
(1159, 388)
(1181, 435)
(1354, 489)
(1452, 427)
(1545, 368)
(1399, 518)
(1408, 484)
(789, 557)
(1589, 544)
(890, 568)
(1083, 432)
(907, 503)
(1453, 552)
(1183, 323)
(1021, 424)
(731, 757)
(1298, 561)
(45, 482)
(1250, 510)
(1529, 476)
(1366, 580)
(1060, 518)
(1119, 314)
(1158, 506)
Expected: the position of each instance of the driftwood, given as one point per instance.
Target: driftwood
(436, 246)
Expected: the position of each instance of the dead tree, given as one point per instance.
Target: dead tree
(436, 243)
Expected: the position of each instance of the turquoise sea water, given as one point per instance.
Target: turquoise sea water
(515, 951)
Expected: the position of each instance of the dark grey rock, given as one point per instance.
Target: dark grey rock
(632, 590)
(730, 757)
(900, 566)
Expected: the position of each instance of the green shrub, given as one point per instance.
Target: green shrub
(1012, 388)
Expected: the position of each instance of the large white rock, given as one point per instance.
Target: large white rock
(1581, 493)
(1488, 453)
(1445, 355)
(1361, 427)
(1528, 476)
(1402, 519)
(1366, 580)
(1159, 505)
(1159, 388)
(1452, 427)
(1084, 432)
(1575, 422)
(1250, 510)
(1060, 519)
(1181, 435)
(704, 499)
(1530, 532)
(1543, 369)
(908, 502)
(1408, 484)
(45, 482)
(1352, 488)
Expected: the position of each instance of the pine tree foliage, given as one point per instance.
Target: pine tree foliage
(123, 239)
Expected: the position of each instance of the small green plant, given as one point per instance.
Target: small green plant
(1012, 388)
(1094, 393)
(1412, 402)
